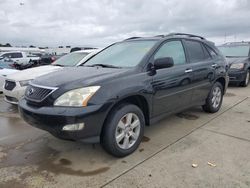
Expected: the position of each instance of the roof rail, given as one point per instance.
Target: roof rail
(132, 38)
(185, 34)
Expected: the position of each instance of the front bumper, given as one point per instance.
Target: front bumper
(2, 80)
(237, 76)
(14, 95)
(53, 119)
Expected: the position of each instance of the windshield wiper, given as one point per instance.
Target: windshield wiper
(58, 65)
(103, 65)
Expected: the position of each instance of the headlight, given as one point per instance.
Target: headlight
(77, 97)
(24, 83)
(237, 66)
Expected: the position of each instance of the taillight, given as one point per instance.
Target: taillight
(53, 59)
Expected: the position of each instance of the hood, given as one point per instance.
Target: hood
(79, 75)
(4, 72)
(233, 60)
(32, 73)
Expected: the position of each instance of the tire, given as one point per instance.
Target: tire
(124, 139)
(214, 99)
(246, 82)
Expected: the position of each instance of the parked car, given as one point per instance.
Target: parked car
(29, 65)
(16, 84)
(6, 63)
(20, 57)
(3, 73)
(47, 59)
(238, 57)
(81, 48)
(44, 60)
(126, 86)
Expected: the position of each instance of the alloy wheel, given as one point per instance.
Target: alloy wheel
(128, 131)
(217, 97)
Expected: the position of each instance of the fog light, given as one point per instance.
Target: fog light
(73, 127)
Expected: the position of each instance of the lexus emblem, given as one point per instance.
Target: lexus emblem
(30, 92)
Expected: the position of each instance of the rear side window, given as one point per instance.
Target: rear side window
(172, 49)
(15, 55)
(206, 53)
(5, 55)
(195, 51)
(211, 52)
(9, 55)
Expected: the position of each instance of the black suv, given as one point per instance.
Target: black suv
(238, 57)
(126, 86)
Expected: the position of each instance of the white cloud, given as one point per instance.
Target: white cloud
(100, 22)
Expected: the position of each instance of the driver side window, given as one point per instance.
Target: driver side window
(172, 49)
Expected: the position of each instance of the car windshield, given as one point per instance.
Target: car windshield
(234, 51)
(124, 54)
(70, 60)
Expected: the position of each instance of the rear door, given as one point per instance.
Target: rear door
(172, 85)
(18, 57)
(203, 67)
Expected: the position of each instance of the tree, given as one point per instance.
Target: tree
(7, 45)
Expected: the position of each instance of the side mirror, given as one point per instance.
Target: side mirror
(162, 63)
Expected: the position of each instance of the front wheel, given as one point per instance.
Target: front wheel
(214, 99)
(123, 130)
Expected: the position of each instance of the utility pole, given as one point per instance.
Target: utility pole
(225, 38)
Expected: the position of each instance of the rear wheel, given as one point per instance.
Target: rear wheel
(246, 82)
(123, 130)
(214, 99)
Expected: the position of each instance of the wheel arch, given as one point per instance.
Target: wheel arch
(137, 100)
(222, 81)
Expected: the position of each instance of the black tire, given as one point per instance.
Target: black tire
(210, 106)
(108, 136)
(246, 82)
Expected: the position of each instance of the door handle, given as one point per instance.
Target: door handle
(188, 70)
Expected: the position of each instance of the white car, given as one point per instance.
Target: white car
(16, 84)
(3, 74)
(19, 57)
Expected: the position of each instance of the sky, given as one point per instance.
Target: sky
(102, 22)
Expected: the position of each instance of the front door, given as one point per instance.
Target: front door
(172, 85)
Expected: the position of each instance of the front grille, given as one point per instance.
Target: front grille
(37, 93)
(9, 85)
(232, 78)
